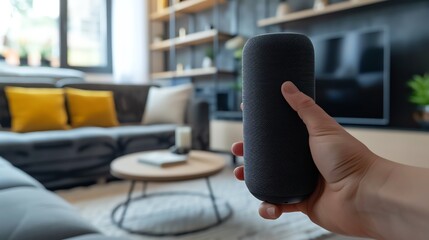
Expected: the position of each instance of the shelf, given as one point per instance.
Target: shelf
(197, 72)
(190, 40)
(229, 115)
(187, 6)
(336, 7)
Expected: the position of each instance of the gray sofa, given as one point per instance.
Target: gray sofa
(28, 211)
(66, 158)
(35, 73)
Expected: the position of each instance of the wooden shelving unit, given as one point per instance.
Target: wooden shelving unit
(197, 72)
(337, 7)
(190, 40)
(188, 6)
(205, 40)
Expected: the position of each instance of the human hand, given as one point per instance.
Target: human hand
(343, 162)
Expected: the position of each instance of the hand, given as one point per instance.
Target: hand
(343, 162)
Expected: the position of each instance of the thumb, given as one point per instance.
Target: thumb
(313, 116)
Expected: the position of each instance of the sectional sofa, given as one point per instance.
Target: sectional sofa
(34, 73)
(66, 158)
(28, 211)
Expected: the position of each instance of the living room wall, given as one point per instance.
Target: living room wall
(409, 42)
(405, 21)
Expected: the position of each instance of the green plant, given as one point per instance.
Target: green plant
(210, 53)
(420, 89)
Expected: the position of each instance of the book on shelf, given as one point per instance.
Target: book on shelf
(163, 159)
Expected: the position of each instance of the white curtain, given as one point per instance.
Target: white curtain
(130, 41)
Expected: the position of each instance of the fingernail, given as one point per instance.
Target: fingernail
(289, 87)
(271, 211)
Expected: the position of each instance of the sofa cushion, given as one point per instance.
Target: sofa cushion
(130, 100)
(30, 213)
(12, 177)
(143, 137)
(5, 120)
(53, 156)
(91, 108)
(13, 147)
(167, 105)
(52, 73)
(37, 109)
(58, 145)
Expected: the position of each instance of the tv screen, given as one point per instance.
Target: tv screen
(352, 76)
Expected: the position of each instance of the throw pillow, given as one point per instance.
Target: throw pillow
(36, 109)
(91, 108)
(167, 105)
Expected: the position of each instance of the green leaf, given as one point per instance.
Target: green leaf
(419, 85)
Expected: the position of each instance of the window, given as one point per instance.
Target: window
(57, 33)
(86, 40)
(30, 35)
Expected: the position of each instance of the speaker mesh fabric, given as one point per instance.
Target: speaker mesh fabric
(278, 163)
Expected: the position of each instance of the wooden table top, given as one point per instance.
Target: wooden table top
(200, 164)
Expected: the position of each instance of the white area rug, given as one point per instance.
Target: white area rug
(95, 204)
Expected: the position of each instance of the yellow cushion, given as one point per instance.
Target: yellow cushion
(91, 108)
(36, 109)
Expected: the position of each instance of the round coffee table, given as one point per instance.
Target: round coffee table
(200, 164)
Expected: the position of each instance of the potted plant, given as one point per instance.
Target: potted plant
(420, 97)
(46, 54)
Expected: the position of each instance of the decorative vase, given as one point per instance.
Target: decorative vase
(180, 68)
(421, 116)
(282, 9)
(182, 32)
(157, 39)
(207, 62)
(320, 4)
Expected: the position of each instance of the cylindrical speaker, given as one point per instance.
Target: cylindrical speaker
(278, 164)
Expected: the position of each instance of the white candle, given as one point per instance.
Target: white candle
(183, 137)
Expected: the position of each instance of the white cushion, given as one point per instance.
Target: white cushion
(167, 105)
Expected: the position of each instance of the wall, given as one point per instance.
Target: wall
(405, 21)
(409, 40)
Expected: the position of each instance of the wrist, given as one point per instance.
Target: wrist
(370, 205)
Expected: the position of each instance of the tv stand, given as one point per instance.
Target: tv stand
(403, 146)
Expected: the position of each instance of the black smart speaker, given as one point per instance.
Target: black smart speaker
(278, 164)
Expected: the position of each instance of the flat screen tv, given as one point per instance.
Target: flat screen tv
(352, 76)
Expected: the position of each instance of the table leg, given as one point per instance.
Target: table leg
(212, 197)
(127, 202)
(123, 207)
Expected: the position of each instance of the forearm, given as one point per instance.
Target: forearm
(395, 199)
